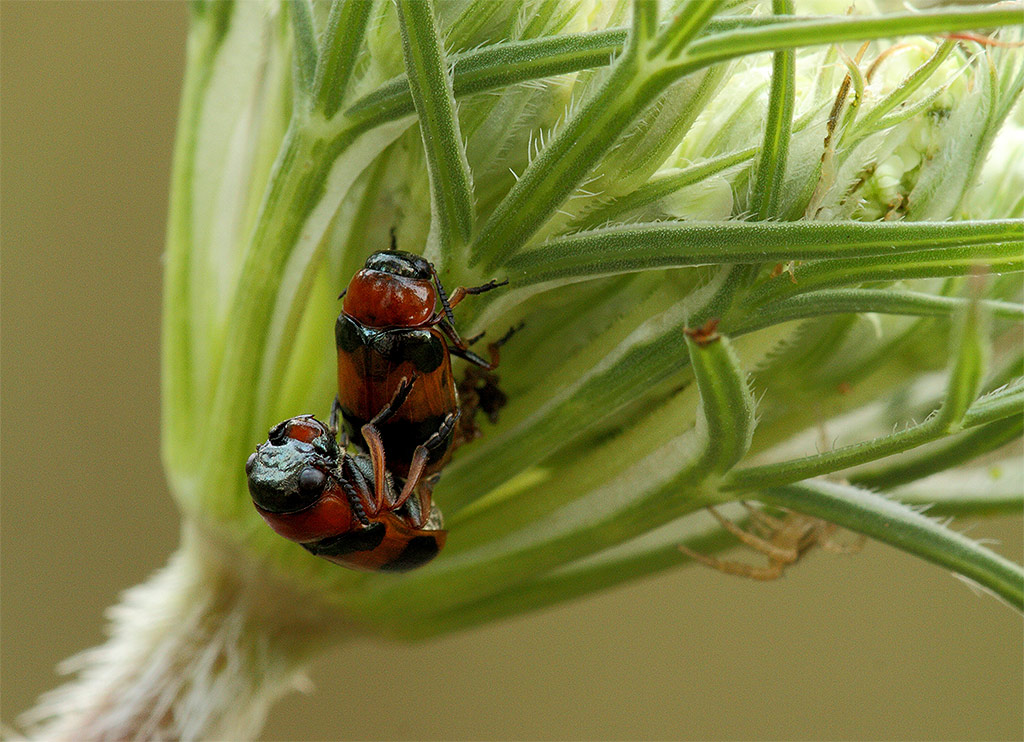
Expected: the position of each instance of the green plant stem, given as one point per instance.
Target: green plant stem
(343, 38)
(859, 301)
(993, 490)
(643, 557)
(727, 406)
(304, 58)
(447, 167)
(817, 32)
(949, 453)
(967, 371)
(895, 524)
(631, 248)
(962, 260)
(996, 406)
(771, 167)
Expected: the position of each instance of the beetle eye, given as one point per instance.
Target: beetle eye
(312, 480)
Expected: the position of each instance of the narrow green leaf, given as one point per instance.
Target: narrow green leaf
(771, 167)
(996, 406)
(342, 40)
(496, 66)
(726, 404)
(908, 112)
(968, 361)
(872, 119)
(951, 452)
(661, 185)
(895, 524)
(636, 247)
(931, 262)
(996, 489)
(817, 32)
(475, 15)
(970, 349)
(687, 22)
(880, 301)
(644, 25)
(305, 55)
(450, 180)
(650, 554)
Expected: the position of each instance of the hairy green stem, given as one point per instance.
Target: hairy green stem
(895, 524)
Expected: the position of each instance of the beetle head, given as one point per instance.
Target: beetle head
(289, 472)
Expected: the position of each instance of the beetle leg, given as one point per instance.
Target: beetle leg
(494, 349)
(422, 454)
(354, 484)
(468, 355)
(457, 296)
(424, 495)
(376, 446)
(335, 424)
(462, 292)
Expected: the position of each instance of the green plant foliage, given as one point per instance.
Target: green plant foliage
(830, 192)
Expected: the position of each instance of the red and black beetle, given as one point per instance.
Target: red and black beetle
(312, 492)
(396, 390)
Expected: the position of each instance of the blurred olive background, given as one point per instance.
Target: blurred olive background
(871, 646)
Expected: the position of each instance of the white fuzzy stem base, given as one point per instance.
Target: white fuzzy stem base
(196, 652)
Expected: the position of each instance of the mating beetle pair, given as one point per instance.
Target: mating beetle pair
(397, 393)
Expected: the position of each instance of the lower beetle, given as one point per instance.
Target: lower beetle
(312, 492)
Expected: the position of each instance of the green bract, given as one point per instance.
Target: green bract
(632, 172)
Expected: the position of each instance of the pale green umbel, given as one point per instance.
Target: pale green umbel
(843, 212)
